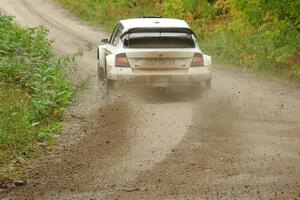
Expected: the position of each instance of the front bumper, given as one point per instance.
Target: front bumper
(160, 78)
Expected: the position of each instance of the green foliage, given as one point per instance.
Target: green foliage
(175, 8)
(260, 34)
(15, 129)
(196, 9)
(257, 12)
(33, 92)
(25, 55)
(263, 35)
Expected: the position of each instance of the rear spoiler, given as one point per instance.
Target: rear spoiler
(154, 29)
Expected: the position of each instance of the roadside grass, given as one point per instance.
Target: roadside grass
(248, 35)
(20, 140)
(250, 53)
(34, 92)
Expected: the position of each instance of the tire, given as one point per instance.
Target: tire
(200, 88)
(110, 84)
(208, 84)
(107, 91)
(101, 73)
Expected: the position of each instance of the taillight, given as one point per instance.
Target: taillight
(121, 60)
(197, 60)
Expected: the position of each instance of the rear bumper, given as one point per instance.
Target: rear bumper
(161, 78)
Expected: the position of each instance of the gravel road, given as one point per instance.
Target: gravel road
(240, 140)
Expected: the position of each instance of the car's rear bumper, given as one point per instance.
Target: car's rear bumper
(161, 78)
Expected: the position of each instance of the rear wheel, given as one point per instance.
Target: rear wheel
(200, 88)
(101, 73)
(108, 85)
(104, 84)
(207, 84)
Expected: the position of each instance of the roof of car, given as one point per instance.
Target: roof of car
(153, 22)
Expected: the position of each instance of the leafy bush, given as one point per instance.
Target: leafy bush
(262, 35)
(34, 91)
(259, 34)
(25, 61)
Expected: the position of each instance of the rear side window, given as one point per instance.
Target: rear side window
(159, 40)
(114, 39)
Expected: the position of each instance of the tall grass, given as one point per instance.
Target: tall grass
(34, 92)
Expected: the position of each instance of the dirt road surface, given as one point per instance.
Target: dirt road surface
(240, 140)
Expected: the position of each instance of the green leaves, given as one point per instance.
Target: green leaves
(260, 34)
(189, 9)
(34, 91)
(25, 61)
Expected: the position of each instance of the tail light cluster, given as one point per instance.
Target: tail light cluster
(121, 60)
(197, 60)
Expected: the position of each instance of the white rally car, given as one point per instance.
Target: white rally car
(154, 51)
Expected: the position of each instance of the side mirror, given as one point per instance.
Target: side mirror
(104, 41)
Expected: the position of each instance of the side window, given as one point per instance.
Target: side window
(113, 35)
(116, 35)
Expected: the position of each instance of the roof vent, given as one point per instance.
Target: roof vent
(151, 17)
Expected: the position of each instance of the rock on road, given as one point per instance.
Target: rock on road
(241, 140)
